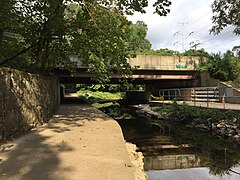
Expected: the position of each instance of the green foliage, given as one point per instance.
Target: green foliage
(86, 94)
(113, 110)
(163, 109)
(105, 105)
(160, 52)
(40, 34)
(223, 67)
(135, 87)
(200, 52)
(113, 88)
(226, 12)
(129, 6)
(174, 101)
(137, 41)
(106, 95)
(169, 52)
(97, 87)
(194, 115)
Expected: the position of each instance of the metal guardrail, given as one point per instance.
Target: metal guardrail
(204, 95)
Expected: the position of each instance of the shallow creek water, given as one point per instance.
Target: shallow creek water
(176, 153)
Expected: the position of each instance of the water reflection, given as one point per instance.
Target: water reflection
(200, 173)
(182, 161)
(177, 152)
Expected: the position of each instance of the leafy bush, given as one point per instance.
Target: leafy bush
(100, 87)
(105, 105)
(86, 94)
(193, 52)
(169, 52)
(106, 95)
(223, 67)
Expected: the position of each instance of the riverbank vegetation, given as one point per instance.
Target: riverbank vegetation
(222, 123)
(190, 115)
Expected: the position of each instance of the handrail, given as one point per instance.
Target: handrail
(218, 94)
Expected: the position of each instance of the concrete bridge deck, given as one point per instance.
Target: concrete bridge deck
(79, 142)
(149, 68)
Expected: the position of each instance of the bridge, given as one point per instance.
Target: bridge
(150, 68)
(28, 100)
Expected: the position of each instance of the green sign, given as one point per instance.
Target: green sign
(181, 66)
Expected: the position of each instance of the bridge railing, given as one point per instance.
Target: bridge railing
(224, 96)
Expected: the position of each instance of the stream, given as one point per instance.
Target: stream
(174, 152)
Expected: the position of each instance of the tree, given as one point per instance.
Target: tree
(200, 52)
(129, 6)
(226, 12)
(49, 32)
(10, 41)
(166, 52)
(223, 67)
(138, 42)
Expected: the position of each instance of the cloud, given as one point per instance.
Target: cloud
(186, 18)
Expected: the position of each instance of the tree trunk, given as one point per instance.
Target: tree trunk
(1, 35)
(44, 41)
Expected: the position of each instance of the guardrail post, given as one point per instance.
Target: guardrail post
(224, 95)
(194, 97)
(169, 95)
(207, 98)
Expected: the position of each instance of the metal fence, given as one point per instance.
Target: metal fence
(226, 97)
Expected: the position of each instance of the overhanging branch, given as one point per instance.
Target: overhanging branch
(16, 55)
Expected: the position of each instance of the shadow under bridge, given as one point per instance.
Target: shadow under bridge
(140, 76)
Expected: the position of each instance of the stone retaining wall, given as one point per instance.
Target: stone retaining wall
(26, 100)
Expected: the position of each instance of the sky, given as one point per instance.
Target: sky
(187, 24)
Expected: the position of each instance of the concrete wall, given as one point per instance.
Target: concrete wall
(166, 62)
(207, 81)
(26, 100)
(186, 94)
(230, 94)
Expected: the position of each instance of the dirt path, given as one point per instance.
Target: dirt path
(79, 142)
